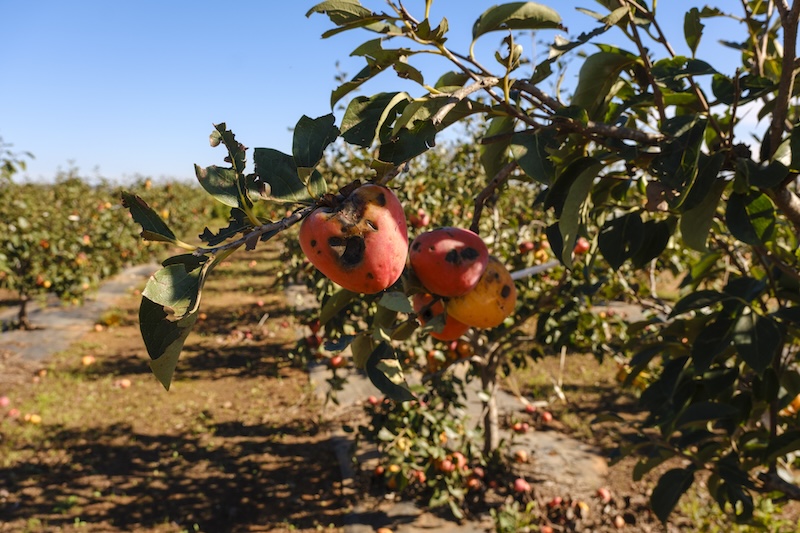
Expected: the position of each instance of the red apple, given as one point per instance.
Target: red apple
(361, 242)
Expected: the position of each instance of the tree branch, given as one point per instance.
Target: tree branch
(789, 20)
(590, 127)
(788, 202)
(499, 178)
(773, 482)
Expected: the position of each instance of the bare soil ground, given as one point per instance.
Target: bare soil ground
(235, 445)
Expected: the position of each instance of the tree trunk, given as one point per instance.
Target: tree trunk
(491, 425)
(22, 316)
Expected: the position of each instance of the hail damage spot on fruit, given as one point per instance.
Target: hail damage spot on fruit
(349, 249)
(452, 257)
(456, 257)
(313, 243)
(470, 254)
(381, 199)
(505, 292)
(416, 246)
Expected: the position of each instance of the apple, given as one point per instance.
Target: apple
(5, 401)
(420, 219)
(520, 485)
(547, 417)
(581, 246)
(521, 456)
(604, 494)
(490, 302)
(460, 460)
(359, 242)
(337, 361)
(427, 311)
(88, 360)
(448, 261)
(526, 247)
(445, 465)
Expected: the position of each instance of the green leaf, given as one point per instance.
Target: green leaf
(368, 119)
(758, 340)
(645, 465)
(396, 301)
(163, 337)
(713, 339)
(598, 75)
(516, 16)
(697, 300)
(704, 412)
(153, 227)
(409, 143)
(677, 165)
(567, 195)
(341, 11)
(220, 183)
(696, 222)
(378, 60)
(494, 155)
(671, 486)
(311, 137)
(621, 238)
(362, 347)
(176, 289)
(337, 345)
(751, 217)
(385, 372)
(707, 175)
(656, 235)
(278, 171)
(692, 29)
(317, 186)
(530, 152)
(334, 304)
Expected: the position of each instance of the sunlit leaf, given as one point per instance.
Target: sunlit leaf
(516, 16)
(385, 372)
(692, 29)
(597, 76)
(396, 301)
(334, 304)
(153, 227)
(696, 223)
(279, 172)
(751, 217)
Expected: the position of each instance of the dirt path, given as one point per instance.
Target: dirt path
(236, 445)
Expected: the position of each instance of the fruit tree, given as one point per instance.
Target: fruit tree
(637, 167)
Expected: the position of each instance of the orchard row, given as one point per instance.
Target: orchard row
(65, 237)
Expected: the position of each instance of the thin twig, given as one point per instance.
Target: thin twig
(480, 200)
(590, 127)
(258, 231)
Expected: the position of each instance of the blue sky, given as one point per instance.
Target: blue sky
(122, 88)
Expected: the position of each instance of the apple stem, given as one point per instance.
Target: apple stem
(532, 271)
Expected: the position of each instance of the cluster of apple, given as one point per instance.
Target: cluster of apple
(359, 240)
